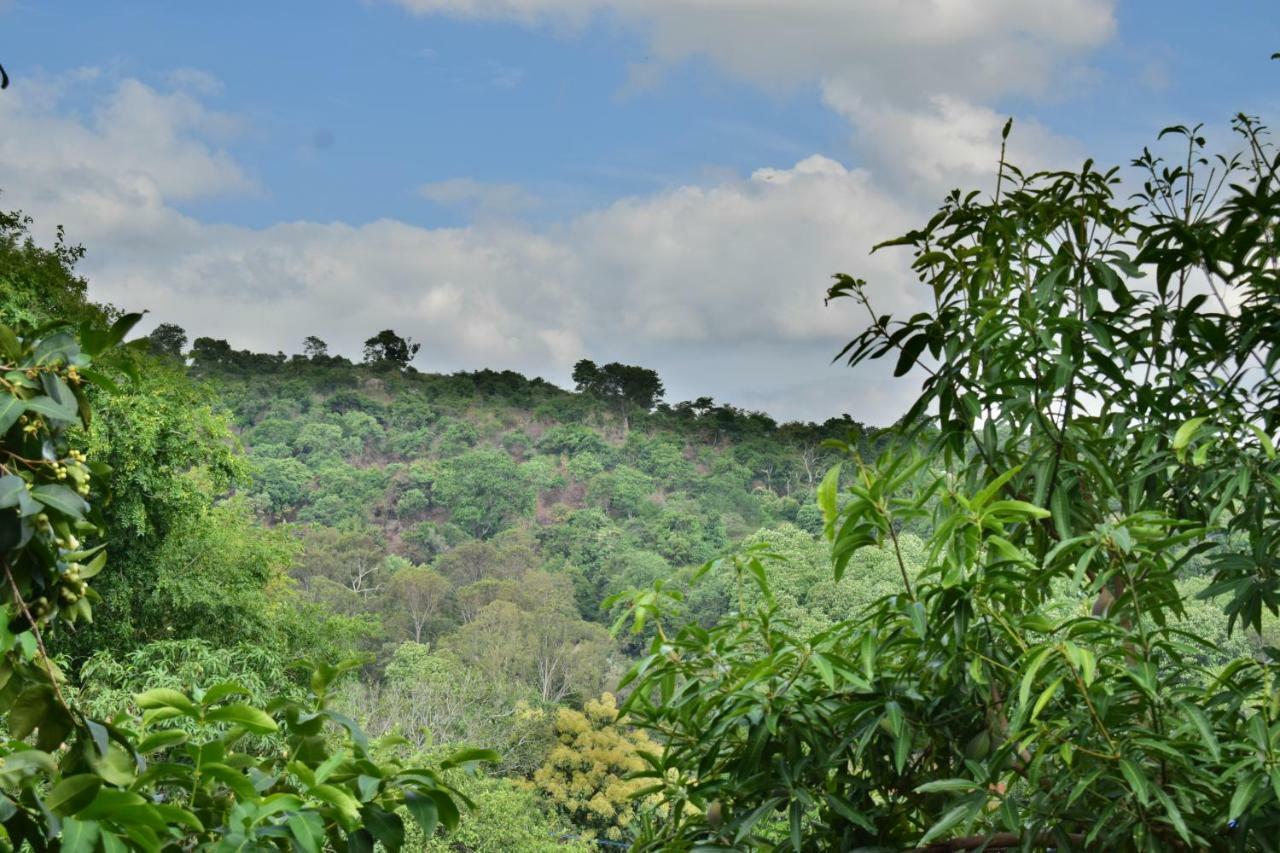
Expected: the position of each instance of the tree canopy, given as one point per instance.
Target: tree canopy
(387, 347)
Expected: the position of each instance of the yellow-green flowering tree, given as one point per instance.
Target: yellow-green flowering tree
(587, 774)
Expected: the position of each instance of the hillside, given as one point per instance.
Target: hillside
(453, 469)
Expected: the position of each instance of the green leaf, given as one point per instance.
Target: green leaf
(246, 716)
(386, 827)
(307, 829)
(1029, 677)
(1244, 794)
(827, 490)
(29, 710)
(424, 811)
(73, 793)
(448, 809)
(116, 766)
(11, 486)
(965, 785)
(947, 822)
(218, 692)
(1137, 780)
(61, 498)
(1045, 697)
(50, 408)
(910, 353)
(1017, 509)
(9, 345)
(177, 816)
(94, 566)
(1201, 723)
(1268, 446)
(360, 841)
(470, 757)
(1175, 815)
(164, 739)
(347, 806)
(11, 408)
(235, 780)
(108, 802)
(79, 836)
(164, 697)
(112, 844)
(824, 669)
(1183, 436)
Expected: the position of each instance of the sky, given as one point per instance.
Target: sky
(518, 184)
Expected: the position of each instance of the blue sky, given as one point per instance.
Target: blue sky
(247, 169)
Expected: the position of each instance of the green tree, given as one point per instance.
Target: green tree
(1103, 417)
(37, 284)
(506, 818)
(627, 386)
(434, 700)
(484, 490)
(418, 594)
(168, 340)
(388, 348)
(531, 633)
(314, 348)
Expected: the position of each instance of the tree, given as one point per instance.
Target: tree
(1107, 404)
(627, 386)
(485, 491)
(39, 284)
(168, 340)
(507, 817)
(283, 482)
(350, 556)
(432, 698)
(589, 775)
(387, 347)
(316, 349)
(505, 557)
(207, 353)
(419, 593)
(530, 633)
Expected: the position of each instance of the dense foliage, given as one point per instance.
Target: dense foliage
(1104, 382)
(186, 772)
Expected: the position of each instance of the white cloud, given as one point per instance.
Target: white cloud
(945, 143)
(719, 286)
(977, 48)
(139, 144)
(913, 77)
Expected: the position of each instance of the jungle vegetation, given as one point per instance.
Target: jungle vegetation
(300, 602)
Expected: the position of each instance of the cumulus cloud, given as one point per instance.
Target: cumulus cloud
(944, 143)
(975, 48)
(913, 77)
(718, 286)
(139, 145)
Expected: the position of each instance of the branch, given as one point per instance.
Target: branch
(997, 841)
(35, 629)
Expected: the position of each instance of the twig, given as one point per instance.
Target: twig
(35, 629)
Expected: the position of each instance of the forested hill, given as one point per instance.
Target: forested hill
(615, 492)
